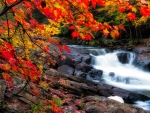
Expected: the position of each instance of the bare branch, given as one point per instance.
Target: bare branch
(6, 8)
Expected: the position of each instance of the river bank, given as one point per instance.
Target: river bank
(77, 94)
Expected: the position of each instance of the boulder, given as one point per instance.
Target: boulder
(86, 58)
(66, 70)
(111, 74)
(79, 73)
(70, 60)
(143, 58)
(83, 67)
(95, 74)
(123, 57)
(74, 57)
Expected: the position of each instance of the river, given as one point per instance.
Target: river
(126, 76)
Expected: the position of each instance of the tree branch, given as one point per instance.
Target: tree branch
(6, 8)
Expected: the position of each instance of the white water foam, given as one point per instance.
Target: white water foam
(125, 76)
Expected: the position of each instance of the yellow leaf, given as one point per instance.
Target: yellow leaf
(134, 9)
(57, 5)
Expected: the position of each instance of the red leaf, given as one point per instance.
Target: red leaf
(145, 11)
(115, 27)
(14, 67)
(12, 61)
(72, 27)
(46, 49)
(121, 9)
(100, 2)
(66, 48)
(49, 13)
(10, 1)
(27, 4)
(42, 27)
(7, 55)
(33, 23)
(30, 65)
(8, 45)
(131, 16)
(75, 34)
(122, 27)
(93, 3)
(100, 26)
(88, 37)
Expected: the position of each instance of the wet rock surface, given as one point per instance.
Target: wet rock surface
(143, 58)
(77, 94)
(123, 57)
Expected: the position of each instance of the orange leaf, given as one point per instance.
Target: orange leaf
(116, 33)
(105, 32)
(7, 77)
(5, 67)
(112, 34)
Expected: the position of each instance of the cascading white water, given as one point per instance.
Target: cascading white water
(125, 76)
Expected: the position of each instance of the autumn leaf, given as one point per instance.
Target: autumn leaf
(7, 55)
(122, 27)
(7, 77)
(66, 48)
(88, 37)
(134, 9)
(112, 34)
(94, 3)
(49, 13)
(131, 16)
(2, 30)
(105, 32)
(5, 67)
(121, 9)
(116, 33)
(12, 61)
(27, 4)
(33, 23)
(75, 34)
(115, 27)
(72, 27)
(10, 1)
(145, 11)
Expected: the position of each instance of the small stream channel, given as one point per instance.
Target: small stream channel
(123, 75)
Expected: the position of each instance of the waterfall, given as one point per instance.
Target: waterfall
(123, 74)
(126, 75)
(119, 71)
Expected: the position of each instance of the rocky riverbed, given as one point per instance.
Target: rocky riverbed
(68, 83)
